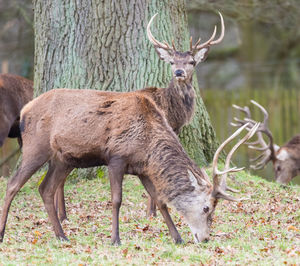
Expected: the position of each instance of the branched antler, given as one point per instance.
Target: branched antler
(260, 144)
(193, 48)
(219, 177)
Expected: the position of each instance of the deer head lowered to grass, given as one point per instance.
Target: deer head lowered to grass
(177, 101)
(285, 159)
(127, 132)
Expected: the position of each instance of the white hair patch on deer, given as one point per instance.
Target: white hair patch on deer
(282, 155)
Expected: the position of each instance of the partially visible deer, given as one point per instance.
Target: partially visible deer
(15, 92)
(128, 133)
(177, 101)
(285, 159)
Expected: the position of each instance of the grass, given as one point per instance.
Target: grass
(263, 230)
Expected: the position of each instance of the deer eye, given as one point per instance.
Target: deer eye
(206, 209)
(192, 63)
(172, 62)
(278, 168)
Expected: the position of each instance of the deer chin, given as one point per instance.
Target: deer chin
(182, 78)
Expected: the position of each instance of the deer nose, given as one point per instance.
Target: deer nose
(179, 72)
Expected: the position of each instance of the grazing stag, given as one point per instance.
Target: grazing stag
(128, 133)
(15, 92)
(178, 99)
(285, 159)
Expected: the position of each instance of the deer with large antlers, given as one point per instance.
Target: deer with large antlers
(285, 159)
(178, 99)
(127, 132)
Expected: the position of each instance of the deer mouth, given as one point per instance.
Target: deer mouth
(180, 78)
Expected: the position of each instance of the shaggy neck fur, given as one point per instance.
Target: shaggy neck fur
(177, 101)
(168, 167)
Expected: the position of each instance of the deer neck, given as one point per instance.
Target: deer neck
(180, 102)
(168, 171)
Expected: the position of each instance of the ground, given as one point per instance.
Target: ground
(261, 230)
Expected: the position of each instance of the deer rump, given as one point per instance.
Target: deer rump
(82, 128)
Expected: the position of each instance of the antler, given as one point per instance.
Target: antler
(157, 43)
(197, 46)
(221, 186)
(260, 144)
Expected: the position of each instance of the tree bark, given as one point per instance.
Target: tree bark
(102, 44)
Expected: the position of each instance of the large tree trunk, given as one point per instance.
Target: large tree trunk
(103, 45)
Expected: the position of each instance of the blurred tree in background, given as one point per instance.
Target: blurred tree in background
(16, 37)
(267, 38)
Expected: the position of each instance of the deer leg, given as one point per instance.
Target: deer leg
(151, 207)
(60, 205)
(163, 209)
(116, 172)
(56, 174)
(15, 183)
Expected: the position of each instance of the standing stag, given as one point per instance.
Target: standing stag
(15, 92)
(128, 133)
(178, 99)
(285, 159)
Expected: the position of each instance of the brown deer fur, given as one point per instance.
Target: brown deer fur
(84, 128)
(287, 162)
(15, 92)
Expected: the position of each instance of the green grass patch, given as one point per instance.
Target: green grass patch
(263, 230)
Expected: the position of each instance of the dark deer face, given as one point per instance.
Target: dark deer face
(183, 63)
(286, 166)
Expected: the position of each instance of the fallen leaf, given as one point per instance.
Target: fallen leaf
(293, 228)
(125, 252)
(37, 233)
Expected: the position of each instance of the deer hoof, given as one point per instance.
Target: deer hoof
(179, 241)
(63, 238)
(116, 242)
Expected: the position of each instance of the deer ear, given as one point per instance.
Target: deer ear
(201, 55)
(194, 181)
(164, 54)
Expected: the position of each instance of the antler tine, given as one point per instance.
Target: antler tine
(197, 42)
(152, 39)
(222, 31)
(262, 163)
(245, 121)
(211, 40)
(232, 151)
(266, 115)
(264, 128)
(256, 158)
(207, 43)
(164, 42)
(191, 43)
(245, 109)
(173, 45)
